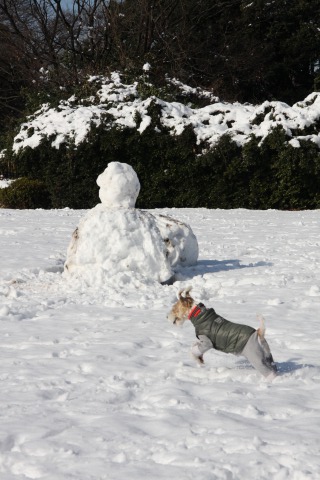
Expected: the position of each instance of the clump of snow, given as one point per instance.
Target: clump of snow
(294, 143)
(119, 185)
(187, 90)
(123, 106)
(114, 237)
(68, 123)
(5, 182)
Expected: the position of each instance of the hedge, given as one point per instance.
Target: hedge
(174, 171)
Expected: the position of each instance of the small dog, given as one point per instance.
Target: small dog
(214, 331)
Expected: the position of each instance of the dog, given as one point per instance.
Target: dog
(214, 331)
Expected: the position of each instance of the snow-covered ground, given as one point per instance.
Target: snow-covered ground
(97, 385)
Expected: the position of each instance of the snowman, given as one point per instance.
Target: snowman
(115, 237)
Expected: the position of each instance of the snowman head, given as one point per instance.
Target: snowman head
(119, 185)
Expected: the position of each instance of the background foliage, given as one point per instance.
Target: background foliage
(172, 173)
(240, 50)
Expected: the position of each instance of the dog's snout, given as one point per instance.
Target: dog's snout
(171, 317)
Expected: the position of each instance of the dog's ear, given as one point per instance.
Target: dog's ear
(187, 292)
(184, 293)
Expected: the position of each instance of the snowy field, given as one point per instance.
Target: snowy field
(97, 385)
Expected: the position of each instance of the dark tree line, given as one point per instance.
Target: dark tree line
(242, 50)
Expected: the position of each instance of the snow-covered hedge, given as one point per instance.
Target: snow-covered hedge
(124, 107)
(195, 152)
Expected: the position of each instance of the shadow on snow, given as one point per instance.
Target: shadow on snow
(291, 366)
(203, 267)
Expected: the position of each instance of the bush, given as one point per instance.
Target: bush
(172, 170)
(162, 162)
(25, 193)
(273, 174)
(293, 174)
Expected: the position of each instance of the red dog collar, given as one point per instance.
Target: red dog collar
(194, 312)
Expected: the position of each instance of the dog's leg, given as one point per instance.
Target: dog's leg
(258, 353)
(264, 344)
(200, 347)
(267, 352)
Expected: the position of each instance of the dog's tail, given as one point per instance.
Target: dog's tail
(262, 329)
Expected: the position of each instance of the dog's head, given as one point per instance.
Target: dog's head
(180, 310)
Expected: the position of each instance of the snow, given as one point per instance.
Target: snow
(119, 185)
(182, 247)
(112, 241)
(114, 238)
(97, 385)
(65, 123)
(4, 182)
(121, 103)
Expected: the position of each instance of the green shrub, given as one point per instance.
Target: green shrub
(297, 177)
(212, 178)
(272, 174)
(162, 161)
(284, 177)
(173, 172)
(25, 193)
